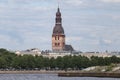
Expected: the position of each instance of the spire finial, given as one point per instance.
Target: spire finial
(58, 6)
(58, 10)
(58, 3)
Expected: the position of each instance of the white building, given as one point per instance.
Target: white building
(55, 55)
(33, 52)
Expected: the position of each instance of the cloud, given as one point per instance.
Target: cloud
(69, 39)
(23, 38)
(107, 41)
(74, 2)
(8, 42)
(115, 17)
(111, 1)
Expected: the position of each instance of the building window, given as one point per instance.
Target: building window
(55, 44)
(55, 38)
(58, 37)
(58, 44)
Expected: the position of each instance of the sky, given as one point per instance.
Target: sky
(89, 25)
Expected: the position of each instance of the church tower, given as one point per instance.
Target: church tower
(58, 36)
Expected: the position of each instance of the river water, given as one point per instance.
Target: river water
(47, 77)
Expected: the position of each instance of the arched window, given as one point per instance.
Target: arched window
(58, 44)
(55, 44)
(58, 37)
(55, 38)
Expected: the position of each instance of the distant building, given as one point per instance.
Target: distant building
(68, 48)
(58, 36)
(34, 52)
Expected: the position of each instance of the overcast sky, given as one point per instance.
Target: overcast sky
(89, 25)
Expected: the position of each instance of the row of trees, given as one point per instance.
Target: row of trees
(9, 60)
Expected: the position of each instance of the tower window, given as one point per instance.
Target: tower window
(55, 44)
(55, 38)
(58, 44)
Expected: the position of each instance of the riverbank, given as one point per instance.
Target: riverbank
(88, 74)
(31, 72)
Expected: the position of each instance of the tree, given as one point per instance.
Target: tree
(39, 62)
(3, 63)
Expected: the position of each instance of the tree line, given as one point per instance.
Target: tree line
(10, 61)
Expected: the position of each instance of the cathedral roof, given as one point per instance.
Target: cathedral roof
(68, 48)
(58, 29)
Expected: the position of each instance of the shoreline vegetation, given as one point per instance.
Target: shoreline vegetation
(31, 72)
(11, 61)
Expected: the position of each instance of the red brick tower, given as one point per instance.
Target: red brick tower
(58, 36)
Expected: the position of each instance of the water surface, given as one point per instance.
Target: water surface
(47, 77)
